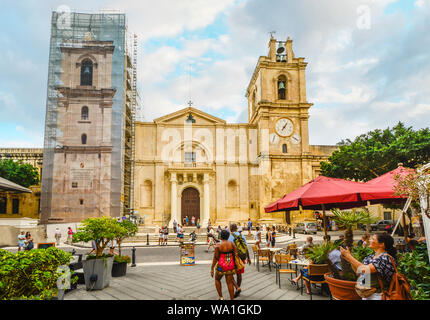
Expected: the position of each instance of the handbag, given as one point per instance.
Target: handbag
(399, 288)
(239, 263)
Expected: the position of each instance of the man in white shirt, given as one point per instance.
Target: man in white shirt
(211, 238)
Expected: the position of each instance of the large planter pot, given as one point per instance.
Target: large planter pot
(101, 268)
(119, 269)
(341, 289)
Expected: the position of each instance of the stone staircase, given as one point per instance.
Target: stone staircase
(151, 233)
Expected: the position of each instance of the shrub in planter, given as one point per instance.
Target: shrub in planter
(40, 274)
(342, 283)
(125, 229)
(119, 268)
(98, 268)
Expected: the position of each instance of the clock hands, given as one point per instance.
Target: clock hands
(284, 126)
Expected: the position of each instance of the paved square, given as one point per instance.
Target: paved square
(175, 282)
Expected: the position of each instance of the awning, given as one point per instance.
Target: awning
(6, 185)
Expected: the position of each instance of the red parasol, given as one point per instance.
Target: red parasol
(383, 187)
(330, 192)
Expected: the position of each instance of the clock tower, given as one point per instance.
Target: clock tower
(278, 107)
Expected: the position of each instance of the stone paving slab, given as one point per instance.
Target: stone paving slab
(175, 282)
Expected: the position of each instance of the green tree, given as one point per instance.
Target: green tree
(102, 230)
(125, 229)
(21, 173)
(377, 152)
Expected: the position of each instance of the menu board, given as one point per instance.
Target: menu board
(187, 254)
(45, 245)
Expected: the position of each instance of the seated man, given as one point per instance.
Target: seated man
(340, 241)
(193, 236)
(308, 244)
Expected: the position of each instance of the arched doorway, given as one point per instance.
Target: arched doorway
(190, 204)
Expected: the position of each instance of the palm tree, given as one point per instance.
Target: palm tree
(349, 219)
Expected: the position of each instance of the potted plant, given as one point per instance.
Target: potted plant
(38, 274)
(98, 267)
(342, 283)
(125, 229)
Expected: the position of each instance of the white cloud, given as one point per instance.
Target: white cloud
(167, 18)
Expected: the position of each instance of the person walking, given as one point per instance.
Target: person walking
(175, 224)
(93, 246)
(186, 220)
(57, 236)
(166, 235)
(198, 226)
(211, 238)
(243, 253)
(249, 226)
(258, 237)
(69, 235)
(160, 236)
(180, 235)
(223, 264)
(21, 241)
(29, 241)
(273, 237)
(193, 221)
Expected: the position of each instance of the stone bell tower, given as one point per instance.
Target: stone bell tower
(82, 156)
(278, 106)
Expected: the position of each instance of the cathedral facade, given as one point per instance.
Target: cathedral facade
(190, 163)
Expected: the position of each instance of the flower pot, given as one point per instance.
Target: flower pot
(119, 269)
(341, 289)
(60, 295)
(97, 273)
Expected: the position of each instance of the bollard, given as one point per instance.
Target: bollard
(289, 232)
(147, 239)
(133, 257)
(294, 234)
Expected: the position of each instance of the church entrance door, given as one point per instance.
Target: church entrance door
(190, 205)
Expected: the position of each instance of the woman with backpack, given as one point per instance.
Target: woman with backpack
(381, 265)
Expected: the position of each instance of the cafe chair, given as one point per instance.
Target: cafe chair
(281, 259)
(255, 252)
(264, 255)
(315, 270)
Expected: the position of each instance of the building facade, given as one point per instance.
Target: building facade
(22, 205)
(87, 155)
(190, 163)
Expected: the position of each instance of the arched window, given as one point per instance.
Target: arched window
(84, 113)
(282, 88)
(87, 73)
(284, 148)
(84, 138)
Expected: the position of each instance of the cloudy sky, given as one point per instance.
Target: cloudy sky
(368, 60)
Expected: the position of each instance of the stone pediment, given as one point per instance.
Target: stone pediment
(179, 117)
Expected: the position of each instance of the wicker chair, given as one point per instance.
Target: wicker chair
(315, 270)
(281, 259)
(264, 255)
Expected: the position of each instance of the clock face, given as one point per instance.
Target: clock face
(295, 138)
(284, 127)
(274, 138)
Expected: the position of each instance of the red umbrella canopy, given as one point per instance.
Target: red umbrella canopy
(330, 192)
(383, 186)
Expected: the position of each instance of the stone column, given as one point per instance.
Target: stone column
(173, 201)
(206, 200)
